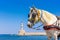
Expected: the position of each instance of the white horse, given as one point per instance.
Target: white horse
(49, 20)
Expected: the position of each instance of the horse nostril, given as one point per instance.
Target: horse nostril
(28, 26)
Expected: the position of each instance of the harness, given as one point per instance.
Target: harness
(41, 17)
(48, 26)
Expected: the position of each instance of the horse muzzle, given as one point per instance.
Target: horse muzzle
(29, 25)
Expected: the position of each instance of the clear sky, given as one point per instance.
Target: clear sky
(13, 12)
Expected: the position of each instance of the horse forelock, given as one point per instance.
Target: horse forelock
(37, 18)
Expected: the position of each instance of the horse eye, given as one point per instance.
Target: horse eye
(28, 15)
(31, 10)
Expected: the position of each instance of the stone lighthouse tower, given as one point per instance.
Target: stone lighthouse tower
(21, 31)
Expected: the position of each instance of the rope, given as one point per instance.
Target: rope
(37, 28)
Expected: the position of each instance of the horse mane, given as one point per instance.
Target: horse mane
(49, 17)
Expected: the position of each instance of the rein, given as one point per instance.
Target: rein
(37, 28)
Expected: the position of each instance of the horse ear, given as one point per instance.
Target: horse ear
(30, 8)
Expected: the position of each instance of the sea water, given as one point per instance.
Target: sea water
(16, 37)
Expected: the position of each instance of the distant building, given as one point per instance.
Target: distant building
(21, 31)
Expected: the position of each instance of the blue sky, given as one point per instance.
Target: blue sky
(13, 12)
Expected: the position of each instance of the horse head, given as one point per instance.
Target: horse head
(33, 17)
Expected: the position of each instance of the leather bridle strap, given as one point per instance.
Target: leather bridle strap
(41, 16)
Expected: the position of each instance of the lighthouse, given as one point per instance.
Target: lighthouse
(21, 31)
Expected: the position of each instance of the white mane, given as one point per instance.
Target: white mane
(48, 17)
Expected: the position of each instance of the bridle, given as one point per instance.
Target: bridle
(36, 28)
(41, 17)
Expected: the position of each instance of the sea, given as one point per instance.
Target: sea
(17, 37)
